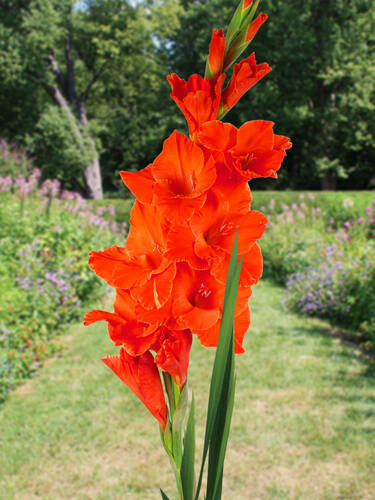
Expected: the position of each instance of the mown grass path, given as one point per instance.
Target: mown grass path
(303, 426)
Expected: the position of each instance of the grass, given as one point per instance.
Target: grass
(303, 425)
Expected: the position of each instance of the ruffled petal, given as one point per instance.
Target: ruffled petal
(119, 270)
(157, 290)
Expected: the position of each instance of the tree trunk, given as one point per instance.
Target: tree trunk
(328, 181)
(91, 174)
(93, 179)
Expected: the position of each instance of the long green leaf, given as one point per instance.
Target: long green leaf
(222, 352)
(187, 467)
(224, 437)
(163, 495)
(220, 433)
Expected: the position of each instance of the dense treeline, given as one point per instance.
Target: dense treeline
(82, 84)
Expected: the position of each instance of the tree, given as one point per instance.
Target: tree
(102, 64)
(65, 52)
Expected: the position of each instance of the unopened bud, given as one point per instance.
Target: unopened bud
(215, 59)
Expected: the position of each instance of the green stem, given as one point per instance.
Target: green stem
(174, 451)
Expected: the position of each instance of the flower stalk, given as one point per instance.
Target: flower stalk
(191, 256)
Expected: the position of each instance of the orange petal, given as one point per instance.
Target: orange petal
(281, 143)
(177, 210)
(140, 183)
(194, 318)
(252, 266)
(147, 233)
(136, 336)
(241, 326)
(217, 135)
(142, 377)
(157, 290)
(180, 247)
(264, 164)
(179, 166)
(254, 135)
(245, 75)
(254, 26)
(173, 355)
(216, 53)
(116, 267)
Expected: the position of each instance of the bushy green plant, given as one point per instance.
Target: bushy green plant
(294, 237)
(45, 239)
(326, 257)
(339, 285)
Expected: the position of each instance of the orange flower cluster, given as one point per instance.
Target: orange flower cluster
(190, 202)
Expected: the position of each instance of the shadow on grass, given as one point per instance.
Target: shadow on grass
(345, 338)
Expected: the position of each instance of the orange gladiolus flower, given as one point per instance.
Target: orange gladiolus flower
(183, 176)
(140, 266)
(198, 306)
(245, 74)
(141, 375)
(251, 151)
(208, 238)
(198, 98)
(190, 203)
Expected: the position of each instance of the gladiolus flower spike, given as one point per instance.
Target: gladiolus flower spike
(192, 255)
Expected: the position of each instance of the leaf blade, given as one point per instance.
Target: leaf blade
(187, 466)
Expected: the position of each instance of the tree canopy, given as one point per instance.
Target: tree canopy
(84, 87)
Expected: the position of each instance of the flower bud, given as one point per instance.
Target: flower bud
(215, 59)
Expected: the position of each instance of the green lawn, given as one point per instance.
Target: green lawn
(303, 425)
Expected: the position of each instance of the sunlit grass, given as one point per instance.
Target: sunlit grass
(303, 425)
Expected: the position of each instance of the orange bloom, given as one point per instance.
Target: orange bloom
(251, 151)
(245, 74)
(124, 326)
(142, 377)
(198, 306)
(183, 176)
(198, 298)
(140, 266)
(216, 54)
(215, 226)
(208, 238)
(173, 355)
(198, 98)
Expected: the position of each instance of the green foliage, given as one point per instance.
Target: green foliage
(44, 246)
(61, 153)
(320, 92)
(339, 284)
(323, 251)
(13, 161)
